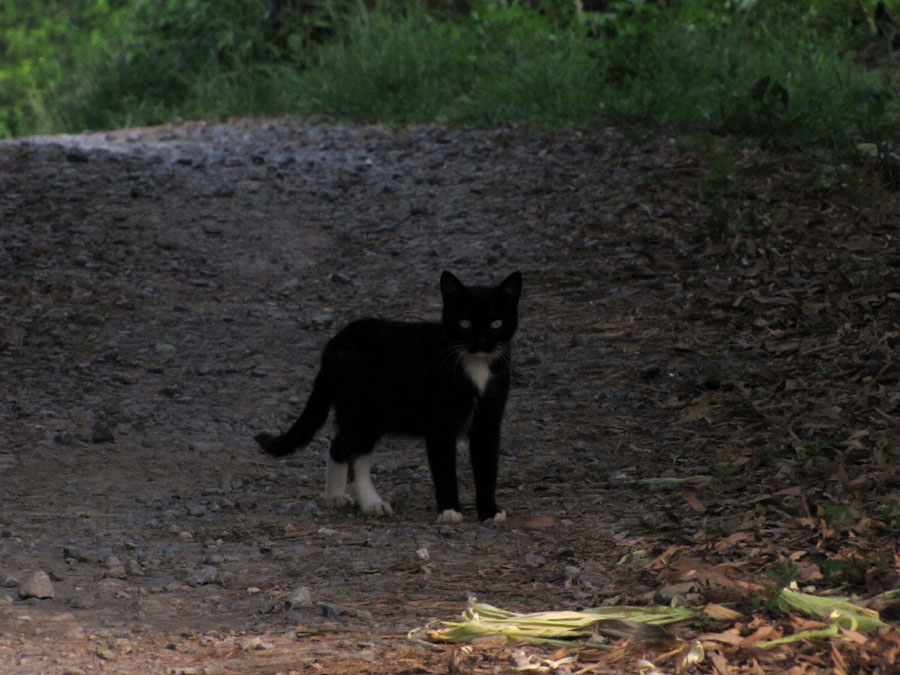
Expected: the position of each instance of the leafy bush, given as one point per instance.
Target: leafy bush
(197, 58)
(42, 49)
(750, 72)
(780, 71)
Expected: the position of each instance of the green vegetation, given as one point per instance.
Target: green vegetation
(777, 71)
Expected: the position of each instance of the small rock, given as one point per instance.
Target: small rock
(484, 533)
(101, 433)
(202, 576)
(322, 320)
(105, 654)
(133, 568)
(81, 602)
(14, 336)
(299, 597)
(225, 482)
(9, 581)
(340, 278)
(446, 530)
(38, 585)
(332, 610)
(594, 573)
(535, 560)
(256, 644)
(77, 155)
(115, 572)
(289, 286)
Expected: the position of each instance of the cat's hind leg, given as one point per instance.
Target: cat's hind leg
(336, 495)
(370, 502)
(351, 455)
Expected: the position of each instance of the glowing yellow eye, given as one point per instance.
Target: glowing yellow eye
(496, 323)
(465, 323)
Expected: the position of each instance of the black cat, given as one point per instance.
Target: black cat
(433, 380)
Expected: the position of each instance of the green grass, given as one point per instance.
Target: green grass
(497, 67)
(777, 72)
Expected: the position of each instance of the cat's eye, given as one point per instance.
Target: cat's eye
(465, 324)
(496, 323)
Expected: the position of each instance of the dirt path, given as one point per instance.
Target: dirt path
(164, 295)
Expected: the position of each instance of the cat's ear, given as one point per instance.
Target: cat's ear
(511, 286)
(450, 285)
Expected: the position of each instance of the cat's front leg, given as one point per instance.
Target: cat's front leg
(442, 460)
(484, 450)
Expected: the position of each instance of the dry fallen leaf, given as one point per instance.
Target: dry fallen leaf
(720, 612)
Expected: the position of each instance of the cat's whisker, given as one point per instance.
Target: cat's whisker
(455, 352)
(503, 353)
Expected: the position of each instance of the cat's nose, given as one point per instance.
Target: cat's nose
(481, 345)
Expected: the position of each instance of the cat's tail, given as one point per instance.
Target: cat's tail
(310, 421)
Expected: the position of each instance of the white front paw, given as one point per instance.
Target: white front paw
(379, 508)
(338, 501)
(449, 517)
(499, 517)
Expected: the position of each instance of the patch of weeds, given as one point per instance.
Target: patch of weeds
(760, 170)
(769, 451)
(689, 142)
(891, 513)
(853, 570)
(779, 575)
(772, 453)
(840, 516)
(818, 448)
(717, 222)
(765, 112)
(704, 624)
(719, 177)
(722, 178)
(782, 574)
(749, 222)
(809, 451)
(502, 64)
(723, 471)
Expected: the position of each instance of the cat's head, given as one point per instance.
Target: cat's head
(481, 318)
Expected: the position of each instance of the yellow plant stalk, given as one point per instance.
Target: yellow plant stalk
(559, 627)
(839, 611)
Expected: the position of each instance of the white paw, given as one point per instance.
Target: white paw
(449, 517)
(379, 508)
(338, 501)
(499, 517)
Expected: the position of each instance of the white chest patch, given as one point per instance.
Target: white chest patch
(478, 368)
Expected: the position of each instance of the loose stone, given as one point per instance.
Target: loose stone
(38, 585)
